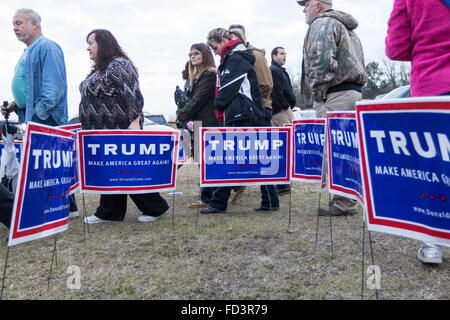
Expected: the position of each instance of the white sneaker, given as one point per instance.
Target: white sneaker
(147, 218)
(73, 214)
(93, 219)
(429, 253)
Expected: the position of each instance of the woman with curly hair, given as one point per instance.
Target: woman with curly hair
(111, 99)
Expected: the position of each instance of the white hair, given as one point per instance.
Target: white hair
(31, 16)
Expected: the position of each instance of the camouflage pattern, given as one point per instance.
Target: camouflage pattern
(332, 54)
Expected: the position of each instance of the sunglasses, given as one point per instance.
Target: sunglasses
(193, 54)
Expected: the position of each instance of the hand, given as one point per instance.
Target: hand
(136, 124)
(190, 125)
(8, 109)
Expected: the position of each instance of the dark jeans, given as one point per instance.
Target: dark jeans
(72, 203)
(6, 205)
(206, 194)
(113, 207)
(49, 121)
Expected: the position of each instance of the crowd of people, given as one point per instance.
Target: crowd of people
(242, 91)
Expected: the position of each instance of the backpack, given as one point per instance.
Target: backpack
(181, 98)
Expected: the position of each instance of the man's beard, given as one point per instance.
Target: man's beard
(24, 38)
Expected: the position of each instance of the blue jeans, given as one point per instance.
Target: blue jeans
(206, 194)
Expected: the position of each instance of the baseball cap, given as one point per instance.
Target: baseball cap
(302, 2)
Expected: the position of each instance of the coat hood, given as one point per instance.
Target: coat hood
(235, 47)
(345, 18)
(250, 47)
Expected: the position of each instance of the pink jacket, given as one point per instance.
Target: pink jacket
(419, 31)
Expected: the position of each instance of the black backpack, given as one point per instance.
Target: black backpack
(181, 97)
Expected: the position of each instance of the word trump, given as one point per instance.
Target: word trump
(401, 143)
(344, 138)
(112, 149)
(52, 159)
(311, 138)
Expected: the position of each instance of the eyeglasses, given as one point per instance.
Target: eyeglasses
(213, 48)
(196, 53)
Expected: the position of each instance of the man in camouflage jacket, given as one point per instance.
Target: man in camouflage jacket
(333, 70)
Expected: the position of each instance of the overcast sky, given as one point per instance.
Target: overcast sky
(157, 35)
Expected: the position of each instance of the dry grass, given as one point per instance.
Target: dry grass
(239, 255)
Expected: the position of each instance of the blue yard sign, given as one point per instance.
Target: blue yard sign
(344, 168)
(41, 205)
(74, 128)
(405, 154)
(127, 162)
(245, 156)
(309, 143)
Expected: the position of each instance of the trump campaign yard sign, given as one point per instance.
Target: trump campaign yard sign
(343, 156)
(126, 161)
(245, 156)
(74, 128)
(41, 204)
(309, 144)
(405, 155)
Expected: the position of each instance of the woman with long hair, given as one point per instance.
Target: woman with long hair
(111, 99)
(202, 83)
(202, 88)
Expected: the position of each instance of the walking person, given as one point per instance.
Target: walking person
(239, 97)
(201, 89)
(39, 84)
(333, 71)
(418, 32)
(265, 82)
(111, 99)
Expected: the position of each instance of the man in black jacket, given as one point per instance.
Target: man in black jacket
(239, 98)
(283, 99)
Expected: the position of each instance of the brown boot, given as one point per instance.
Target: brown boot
(198, 204)
(237, 195)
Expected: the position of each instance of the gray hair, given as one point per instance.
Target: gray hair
(217, 34)
(31, 16)
(237, 26)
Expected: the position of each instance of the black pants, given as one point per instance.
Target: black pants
(6, 205)
(113, 207)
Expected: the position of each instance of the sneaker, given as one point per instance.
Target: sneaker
(73, 214)
(266, 209)
(147, 218)
(238, 194)
(211, 210)
(198, 204)
(93, 219)
(429, 253)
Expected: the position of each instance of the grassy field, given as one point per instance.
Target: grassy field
(239, 255)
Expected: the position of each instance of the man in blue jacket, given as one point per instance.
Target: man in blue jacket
(39, 84)
(239, 98)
